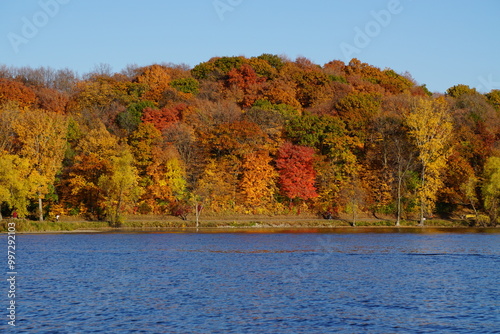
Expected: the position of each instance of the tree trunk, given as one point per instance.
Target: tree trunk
(40, 207)
(197, 214)
(117, 211)
(422, 198)
(354, 209)
(400, 181)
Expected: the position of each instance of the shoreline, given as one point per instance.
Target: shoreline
(305, 223)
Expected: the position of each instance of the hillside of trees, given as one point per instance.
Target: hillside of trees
(261, 135)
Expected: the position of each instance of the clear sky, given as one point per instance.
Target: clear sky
(441, 43)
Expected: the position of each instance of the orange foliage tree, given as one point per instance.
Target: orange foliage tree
(11, 90)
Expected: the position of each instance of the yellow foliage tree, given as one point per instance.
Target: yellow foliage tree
(258, 183)
(218, 184)
(142, 144)
(491, 189)
(99, 141)
(175, 176)
(95, 152)
(42, 136)
(14, 183)
(165, 180)
(121, 189)
(430, 128)
(157, 79)
(99, 92)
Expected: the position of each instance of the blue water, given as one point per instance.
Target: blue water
(257, 283)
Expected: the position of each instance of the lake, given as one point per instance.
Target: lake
(337, 281)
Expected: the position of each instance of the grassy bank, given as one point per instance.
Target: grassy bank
(51, 226)
(149, 223)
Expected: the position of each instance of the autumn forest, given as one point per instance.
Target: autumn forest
(236, 135)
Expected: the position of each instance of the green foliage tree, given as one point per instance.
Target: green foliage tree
(491, 189)
(274, 60)
(494, 98)
(120, 187)
(459, 90)
(186, 85)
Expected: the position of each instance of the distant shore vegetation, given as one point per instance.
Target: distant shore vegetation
(233, 135)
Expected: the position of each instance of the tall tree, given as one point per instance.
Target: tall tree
(394, 154)
(80, 185)
(42, 136)
(491, 189)
(430, 128)
(120, 188)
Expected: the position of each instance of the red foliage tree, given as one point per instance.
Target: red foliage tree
(296, 171)
(165, 117)
(247, 82)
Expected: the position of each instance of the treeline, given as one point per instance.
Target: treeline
(264, 135)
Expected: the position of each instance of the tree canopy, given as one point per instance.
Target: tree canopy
(263, 135)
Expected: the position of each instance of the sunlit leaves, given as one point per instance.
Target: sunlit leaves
(237, 138)
(217, 186)
(244, 135)
(11, 90)
(246, 83)
(491, 188)
(15, 185)
(258, 183)
(120, 189)
(296, 172)
(156, 78)
(430, 128)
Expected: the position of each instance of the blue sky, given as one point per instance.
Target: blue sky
(440, 43)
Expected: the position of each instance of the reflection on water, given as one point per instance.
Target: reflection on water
(381, 282)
